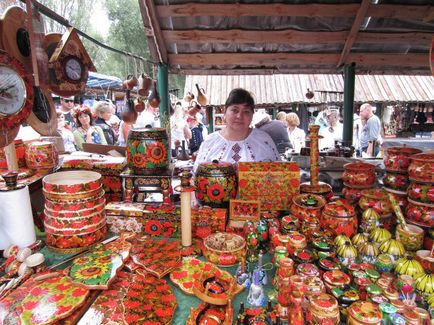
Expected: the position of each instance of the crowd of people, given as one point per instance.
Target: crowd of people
(247, 136)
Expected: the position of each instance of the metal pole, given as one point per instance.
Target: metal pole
(349, 81)
(210, 116)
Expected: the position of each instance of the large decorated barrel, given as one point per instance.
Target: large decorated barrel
(216, 184)
(74, 210)
(148, 151)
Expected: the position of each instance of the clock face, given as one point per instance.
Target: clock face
(73, 69)
(12, 91)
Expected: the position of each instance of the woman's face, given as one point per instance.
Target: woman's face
(84, 119)
(239, 117)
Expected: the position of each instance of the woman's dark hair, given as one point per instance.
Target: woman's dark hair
(240, 96)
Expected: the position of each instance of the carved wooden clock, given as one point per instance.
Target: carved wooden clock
(69, 65)
(16, 92)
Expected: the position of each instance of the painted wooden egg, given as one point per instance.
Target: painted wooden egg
(383, 263)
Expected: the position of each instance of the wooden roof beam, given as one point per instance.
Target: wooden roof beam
(361, 13)
(287, 37)
(425, 13)
(267, 60)
(156, 43)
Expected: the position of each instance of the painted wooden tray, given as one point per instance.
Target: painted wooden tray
(133, 299)
(43, 301)
(191, 269)
(158, 257)
(120, 246)
(96, 269)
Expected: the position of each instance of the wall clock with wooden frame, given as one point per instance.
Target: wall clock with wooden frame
(16, 92)
(69, 65)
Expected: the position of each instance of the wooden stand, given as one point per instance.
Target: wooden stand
(153, 183)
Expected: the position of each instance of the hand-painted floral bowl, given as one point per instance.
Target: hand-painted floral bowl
(420, 213)
(421, 192)
(73, 223)
(54, 196)
(421, 168)
(398, 158)
(75, 213)
(411, 237)
(353, 194)
(224, 249)
(396, 181)
(89, 228)
(76, 204)
(376, 199)
(75, 243)
(359, 174)
(72, 182)
(425, 259)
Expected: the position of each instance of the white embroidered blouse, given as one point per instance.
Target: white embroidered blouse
(258, 146)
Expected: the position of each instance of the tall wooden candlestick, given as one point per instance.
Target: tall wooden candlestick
(314, 154)
(186, 190)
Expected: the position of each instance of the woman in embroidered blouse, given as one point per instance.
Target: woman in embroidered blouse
(237, 141)
(86, 131)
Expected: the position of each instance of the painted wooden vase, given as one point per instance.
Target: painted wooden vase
(216, 184)
(352, 194)
(41, 155)
(397, 159)
(421, 192)
(307, 206)
(421, 168)
(376, 199)
(359, 174)
(148, 151)
(324, 308)
(396, 181)
(339, 217)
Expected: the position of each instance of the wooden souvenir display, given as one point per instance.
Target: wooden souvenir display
(133, 299)
(158, 257)
(96, 269)
(16, 92)
(185, 275)
(69, 65)
(42, 300)
(15, 36)
(272, 183)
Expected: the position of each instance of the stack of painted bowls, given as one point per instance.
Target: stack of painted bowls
(420, 209)
(397, 161)
(74, 210)
(378, 200)
(357, 176)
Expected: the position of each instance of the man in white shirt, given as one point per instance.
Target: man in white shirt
(148, 118)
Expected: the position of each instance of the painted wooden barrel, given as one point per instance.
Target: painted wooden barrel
(148, 151)
(41, 155)
(216, 184)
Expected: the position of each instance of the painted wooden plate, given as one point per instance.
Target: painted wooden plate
(133, 299)
(191, 269)
(96, 269)
(42, 302)
(158, 257)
